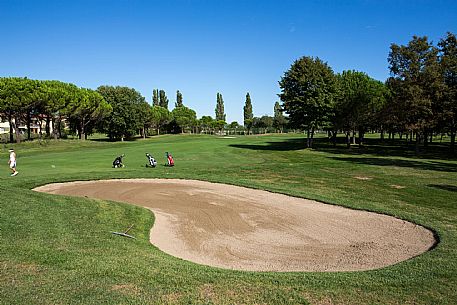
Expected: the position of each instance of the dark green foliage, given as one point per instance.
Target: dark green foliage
(155, 97)
(247, 112)
(359, 104)
(308, 93)
(448, 105)
(279, 120)
(184, 117)
(178, 99)
(130, 112)
(416, 85)
(159, 117)
(163, 99)
(220, 114)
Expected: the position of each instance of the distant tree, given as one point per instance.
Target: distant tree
(184, 117)
(360, 101)
(247, 112)
(263, 123)
(163, 99)
(16, 98)
(219, 125)
(448, 106)
(178, 99)
(130, 112)
(220, 115)
(87, 109)
(279, 120)
(308, 92)
(159, 117)
(416, 85)
(155, 97)
(206, 123)
(234, 126)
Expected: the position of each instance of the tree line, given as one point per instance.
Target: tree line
(417, 101)
(119, 112)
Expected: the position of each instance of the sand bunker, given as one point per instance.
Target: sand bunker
(239, 228)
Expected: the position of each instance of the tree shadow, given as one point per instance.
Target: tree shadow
(287, 145)
(447, 187)
(376, 147)
(424, 165)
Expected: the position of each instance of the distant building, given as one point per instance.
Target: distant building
(35, 125)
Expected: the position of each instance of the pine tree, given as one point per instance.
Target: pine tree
(155, 97)
(163, 99)
(220, 115)
(178, 99)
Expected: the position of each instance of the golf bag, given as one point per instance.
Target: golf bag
(151, 161)
(118, 161)
(170, 161)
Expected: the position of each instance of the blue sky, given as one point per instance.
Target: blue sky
(202, 47)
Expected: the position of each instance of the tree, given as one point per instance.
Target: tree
(129, 112)
(308, 92)
(279, 120)
(16, 96)
(155, 97)
(360, 100)
(87, 109)
(184, 117)
(220, 115)
(416, 85)
(219, 125)
(206, 123)
(448, 62)
(159, 117)
(247, 112)
(178, 99)
(163, 100)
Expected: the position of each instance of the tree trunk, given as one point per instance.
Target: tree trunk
(334, 137)
(382, 134)
(453, 131)
(10, 121)
(16, 129)
(418, 142)
(308, 139)
(361, 136)
(28, 125)
(312, 138)
(426, 138)
(348, 139)
(82, 131)
(59, 125)
(48, 131)
(54, 131)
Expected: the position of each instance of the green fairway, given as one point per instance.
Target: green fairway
(59, 250)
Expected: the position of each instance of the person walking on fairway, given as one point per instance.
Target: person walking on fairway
(12, 162)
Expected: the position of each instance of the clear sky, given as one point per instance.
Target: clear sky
(202, 47)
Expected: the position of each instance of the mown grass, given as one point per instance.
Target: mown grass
(59, 250)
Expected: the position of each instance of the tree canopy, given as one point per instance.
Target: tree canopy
(308, 93)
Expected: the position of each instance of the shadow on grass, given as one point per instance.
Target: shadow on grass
(376, 147)
(424, 165)
(446, 187)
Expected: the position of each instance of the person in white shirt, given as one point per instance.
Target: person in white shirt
(12, 162)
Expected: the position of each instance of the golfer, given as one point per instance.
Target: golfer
(12, 163)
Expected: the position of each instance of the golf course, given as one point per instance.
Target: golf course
(60, 249)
